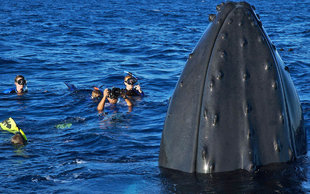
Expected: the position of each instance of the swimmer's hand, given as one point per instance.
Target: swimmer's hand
(138, 87)
(106, 92)
(123, 95)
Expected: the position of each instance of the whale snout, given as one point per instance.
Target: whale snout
(235, 106)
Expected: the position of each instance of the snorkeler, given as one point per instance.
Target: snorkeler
(131, 89)
(20, 86)
(111, 96)
(19, 137)
(96, 93)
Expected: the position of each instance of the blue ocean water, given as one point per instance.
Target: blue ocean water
(91, 43)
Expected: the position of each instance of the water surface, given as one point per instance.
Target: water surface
(91, 43)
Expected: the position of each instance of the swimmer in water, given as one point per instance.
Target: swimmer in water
(20, 86)
(131, 89)
(18, 139)
(111, 96)
(96, 93)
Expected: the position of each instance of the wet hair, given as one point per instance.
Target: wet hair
(127, 77)
(96, 93)
(18, 139)
(19, 76)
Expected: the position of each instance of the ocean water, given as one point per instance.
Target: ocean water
(91, 43)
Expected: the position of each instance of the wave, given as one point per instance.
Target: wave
(7, 61)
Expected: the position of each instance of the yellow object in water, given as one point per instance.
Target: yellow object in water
(64, 126)
(10, 126)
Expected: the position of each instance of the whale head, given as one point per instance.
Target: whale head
(235, 105)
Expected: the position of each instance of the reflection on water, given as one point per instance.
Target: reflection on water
(285, 178)
(20, 151)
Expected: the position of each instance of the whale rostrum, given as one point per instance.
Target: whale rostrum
(235, 105)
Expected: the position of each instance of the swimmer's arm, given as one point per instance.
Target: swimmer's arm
(101, 104)
(9, 91)
(129, 103)
(124, 96)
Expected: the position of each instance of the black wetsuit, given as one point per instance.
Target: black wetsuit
(134, 92)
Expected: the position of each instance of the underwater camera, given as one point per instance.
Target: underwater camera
(114, 93)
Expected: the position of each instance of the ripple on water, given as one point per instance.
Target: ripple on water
(91, 43)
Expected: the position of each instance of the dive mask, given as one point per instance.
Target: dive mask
(21, 82)
(131, 81)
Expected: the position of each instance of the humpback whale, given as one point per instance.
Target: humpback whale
(235, 105)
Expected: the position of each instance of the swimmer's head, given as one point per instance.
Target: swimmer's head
(112, 100)
(96, 94)
(20, 82)
(18, 139)
(129, 81)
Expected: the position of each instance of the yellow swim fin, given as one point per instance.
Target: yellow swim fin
(10, 126)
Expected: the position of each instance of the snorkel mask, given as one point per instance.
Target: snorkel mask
(22, 82)
(131, 81)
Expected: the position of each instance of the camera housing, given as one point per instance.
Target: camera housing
(114, 93)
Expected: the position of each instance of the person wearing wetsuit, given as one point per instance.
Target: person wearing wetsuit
(20, 86)
(131, 89)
